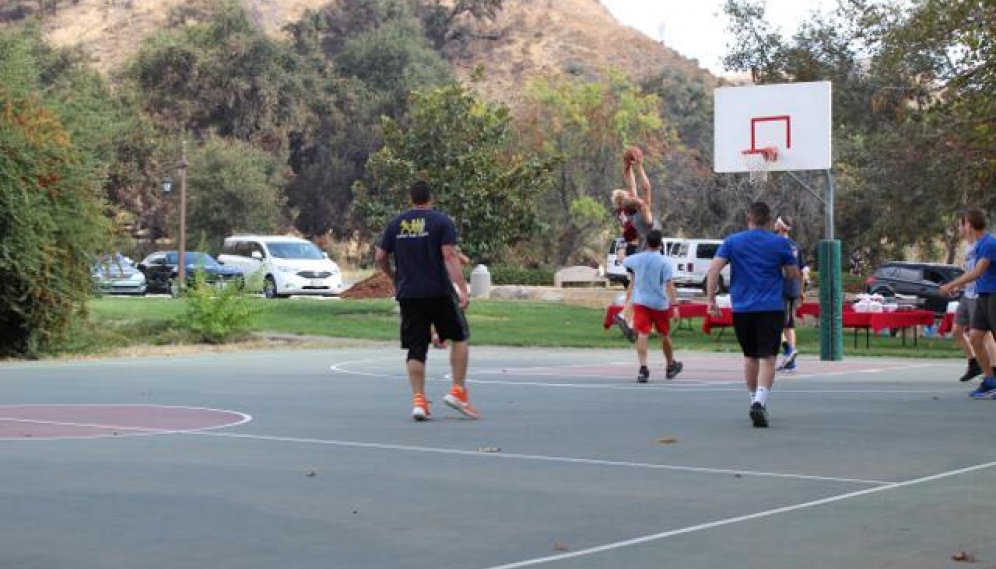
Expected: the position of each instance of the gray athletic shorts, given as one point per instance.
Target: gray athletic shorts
(964, 314)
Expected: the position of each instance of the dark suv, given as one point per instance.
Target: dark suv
(914, 279)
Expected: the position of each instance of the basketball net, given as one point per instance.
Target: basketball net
(759, 163)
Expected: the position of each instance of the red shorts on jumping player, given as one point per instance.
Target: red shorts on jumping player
(644, 318)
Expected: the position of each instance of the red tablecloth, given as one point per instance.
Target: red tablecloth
(808, 309)
(879, 321)
(723, 320)
(947, 324)
(685, 310)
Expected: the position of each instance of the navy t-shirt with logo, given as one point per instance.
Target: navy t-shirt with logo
(416, 238)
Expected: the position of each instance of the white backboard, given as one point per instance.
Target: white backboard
(792, 117)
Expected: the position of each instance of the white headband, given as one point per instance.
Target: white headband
(783, 224)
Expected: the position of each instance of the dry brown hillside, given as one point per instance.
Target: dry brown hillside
(529, 38)
(548, 37)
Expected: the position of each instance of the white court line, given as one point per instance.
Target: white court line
(137, 431)
(738, 519)
(338, 368)
(535, 457)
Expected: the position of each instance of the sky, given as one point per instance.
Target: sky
(697, 28)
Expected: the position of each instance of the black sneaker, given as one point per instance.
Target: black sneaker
(758, 415)
(674, 369)
(644, 375)
(974, 370)
(627, 332)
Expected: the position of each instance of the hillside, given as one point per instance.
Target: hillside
(529, 37)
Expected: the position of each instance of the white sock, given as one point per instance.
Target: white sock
(752, 394)
(762, 395)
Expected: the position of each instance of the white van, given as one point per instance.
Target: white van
(692, 258)
(614, 270)
(288, 265)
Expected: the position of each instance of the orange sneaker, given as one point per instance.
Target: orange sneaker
(457, 399)
(420, 408)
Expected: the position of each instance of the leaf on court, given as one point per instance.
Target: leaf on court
(557, 546)
(488, 449)
(311, 473)
(963, 557)
(667, 441)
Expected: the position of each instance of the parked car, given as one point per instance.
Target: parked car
(921, 280)
(115, 274)
(288, 265)
(161, 270)
(692, 258)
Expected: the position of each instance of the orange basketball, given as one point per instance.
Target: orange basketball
(632, 154)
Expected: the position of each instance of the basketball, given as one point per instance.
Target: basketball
(632, 154)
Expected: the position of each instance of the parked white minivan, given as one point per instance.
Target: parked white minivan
(614, 270)
(288, 265)
(692, 258)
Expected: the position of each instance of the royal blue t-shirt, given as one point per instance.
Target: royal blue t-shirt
(985, 248)
(416, 238)
(793, 287)
(756, 259)
(651, 271)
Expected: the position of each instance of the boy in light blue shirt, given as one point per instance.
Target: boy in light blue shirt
(653, 296)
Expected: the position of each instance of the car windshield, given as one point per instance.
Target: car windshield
(295, 250)
(113, 261)
(192, 258)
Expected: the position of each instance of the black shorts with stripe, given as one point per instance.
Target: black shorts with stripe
(984, 314)
(419, 315)
(759, 333)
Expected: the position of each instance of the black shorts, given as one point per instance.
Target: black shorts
(790, 304)
(419, 315)
(632, 249)
(984, 315)
(759, 333)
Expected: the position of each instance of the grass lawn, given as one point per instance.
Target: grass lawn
(118, 322)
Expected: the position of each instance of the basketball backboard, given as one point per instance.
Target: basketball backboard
(791, 118)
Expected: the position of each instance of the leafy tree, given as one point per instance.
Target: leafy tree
(585, 126)
(447, 21)
(380, 54)
(231, 189)
(50, 210)
(466, 150)
(225, 76)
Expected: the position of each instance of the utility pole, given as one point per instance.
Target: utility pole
(181, 270)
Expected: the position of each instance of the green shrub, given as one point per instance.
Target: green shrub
(501, 275)
(217, 315)
(852, 283)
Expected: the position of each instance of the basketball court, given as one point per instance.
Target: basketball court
(309, 459)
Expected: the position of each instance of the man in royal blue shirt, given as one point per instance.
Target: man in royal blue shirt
(983, 321)
(427, 265)
(760, 261)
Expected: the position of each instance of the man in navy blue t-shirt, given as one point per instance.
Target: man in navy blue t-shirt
(427, 265)
(760, 261)
(983, 319)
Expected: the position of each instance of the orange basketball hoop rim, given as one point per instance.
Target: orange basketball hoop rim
(759, 162)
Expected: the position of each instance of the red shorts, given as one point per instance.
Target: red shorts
(643, 317)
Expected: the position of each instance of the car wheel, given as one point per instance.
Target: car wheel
(269, 287)
(883, 291)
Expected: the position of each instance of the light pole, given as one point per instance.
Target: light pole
(181, 269)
